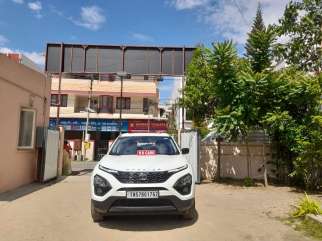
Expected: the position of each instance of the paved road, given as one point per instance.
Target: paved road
(61, 211)
(83, 167)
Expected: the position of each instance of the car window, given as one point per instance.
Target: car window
(144, 145)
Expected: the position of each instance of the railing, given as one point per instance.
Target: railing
(80, 109)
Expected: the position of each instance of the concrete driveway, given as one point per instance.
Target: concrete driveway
(61, 211)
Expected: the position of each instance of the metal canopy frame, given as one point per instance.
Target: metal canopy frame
(138, 60)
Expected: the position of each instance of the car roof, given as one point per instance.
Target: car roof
(145, 134)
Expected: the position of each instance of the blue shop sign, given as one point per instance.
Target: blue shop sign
(78, 124)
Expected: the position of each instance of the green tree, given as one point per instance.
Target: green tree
(301, 25)
(199, 98)
(285, 103)
(259, 43)
(237, 110)
(291, 121)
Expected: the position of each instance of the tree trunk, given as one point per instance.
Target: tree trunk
(265, 169)
(219, 159)
(247, 156)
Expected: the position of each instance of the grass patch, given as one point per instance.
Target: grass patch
(249, 182)
(310, 228)
(307, 206)
(297, 219)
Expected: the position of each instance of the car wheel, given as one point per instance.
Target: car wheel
(96, 216)
(190, 213)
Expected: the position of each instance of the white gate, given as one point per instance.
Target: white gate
(51, 157)
(191, 140)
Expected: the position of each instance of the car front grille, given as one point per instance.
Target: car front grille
(142, 177)
(141, 203)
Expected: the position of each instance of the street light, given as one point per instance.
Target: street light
(121, 74)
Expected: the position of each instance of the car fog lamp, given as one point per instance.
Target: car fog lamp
(183, 185)
(101, 185)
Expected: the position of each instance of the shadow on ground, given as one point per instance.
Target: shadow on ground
(317, 193)
(81, 172)
(237, 182)
(146, 223)
(27, 189)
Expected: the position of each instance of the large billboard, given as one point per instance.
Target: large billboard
(136, 60)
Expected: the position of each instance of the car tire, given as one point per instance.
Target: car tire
(96, 216)
(190, 213)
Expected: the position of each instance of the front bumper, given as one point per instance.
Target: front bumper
(163, 205)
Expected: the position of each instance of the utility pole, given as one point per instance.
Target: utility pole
(89, 107)
(150, 103)
(149, 119)
(182, 91)
(86, 137)
(121, 75)
(58, 100)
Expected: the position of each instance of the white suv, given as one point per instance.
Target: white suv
(141, 174)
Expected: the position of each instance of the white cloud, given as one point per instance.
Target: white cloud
(92, 17)
(36, 57)
(35, 6)
(188, 4)
(142, 37)
(232, 19)
(18, 1)
(5, 50)
(3, 40)
(54, 10)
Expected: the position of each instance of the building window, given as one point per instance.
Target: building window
(145, 105)
(63, 100)
(94, 104)
(126, 103)
(106, 104)
(27, 128)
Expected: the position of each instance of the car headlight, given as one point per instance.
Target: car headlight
(101, 185)
(183, 185)
(108, 170)
(179, 169)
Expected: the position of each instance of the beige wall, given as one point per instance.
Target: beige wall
(19, 87)
(234, 160)
(135, 85)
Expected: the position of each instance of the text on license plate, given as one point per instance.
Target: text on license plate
(142, 194)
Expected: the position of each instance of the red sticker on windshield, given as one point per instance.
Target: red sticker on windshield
(145, 152)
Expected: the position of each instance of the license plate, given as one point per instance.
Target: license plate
(142, 194)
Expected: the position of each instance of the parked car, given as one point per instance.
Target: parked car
(143, 174)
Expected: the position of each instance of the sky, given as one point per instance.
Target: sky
(27, 25)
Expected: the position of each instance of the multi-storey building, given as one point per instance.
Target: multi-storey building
(140, 110)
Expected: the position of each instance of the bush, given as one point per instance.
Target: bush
(307, 206)
(248, 182)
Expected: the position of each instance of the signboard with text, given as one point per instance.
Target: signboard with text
(147, 126)
(79, 124)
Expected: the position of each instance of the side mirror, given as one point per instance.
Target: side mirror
(185, 151)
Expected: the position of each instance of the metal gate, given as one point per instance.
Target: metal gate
(51, 155)
(191, 140)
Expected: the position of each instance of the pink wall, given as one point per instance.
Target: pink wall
(20, 86)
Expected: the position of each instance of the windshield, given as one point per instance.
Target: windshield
(144, 145)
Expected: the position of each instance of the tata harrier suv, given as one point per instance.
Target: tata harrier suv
(143, 174)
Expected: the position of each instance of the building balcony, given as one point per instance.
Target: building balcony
(80, 112)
